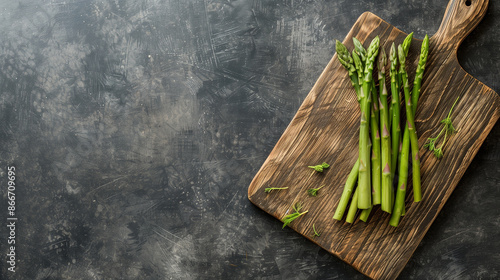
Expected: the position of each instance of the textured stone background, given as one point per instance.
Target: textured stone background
(137, 126)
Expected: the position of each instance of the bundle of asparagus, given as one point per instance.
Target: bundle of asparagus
(381, 147)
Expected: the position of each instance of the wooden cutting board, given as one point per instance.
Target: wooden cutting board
(326, 128)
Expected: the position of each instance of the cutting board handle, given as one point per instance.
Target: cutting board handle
(460, 18)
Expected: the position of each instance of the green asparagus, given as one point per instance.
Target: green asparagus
(364, 181)
(346, 193)
(387, 192)
(385, 163)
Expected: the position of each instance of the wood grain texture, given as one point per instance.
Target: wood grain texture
(326, 127)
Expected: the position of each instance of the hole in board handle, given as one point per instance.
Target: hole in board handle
(468, 2)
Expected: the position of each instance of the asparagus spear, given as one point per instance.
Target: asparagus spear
(410, 122)
(346, 193)
(353, 65)
(364, 185)
(387, 194)
(375, 140)
(353, 208)
(386, 180)
(419, 74)
(366, 212)
(403, 177)
(396, 84)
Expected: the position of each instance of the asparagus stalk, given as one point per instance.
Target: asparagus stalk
(346, 193)
(365, 213)
(364, 184)
(419, 74)
(410, 121)
(375, 103)
(399, 203)
(375, 139)
(353, 65)
(387, 192)
(395, 126)
(396, 84)
(386, 180)
(353, 208)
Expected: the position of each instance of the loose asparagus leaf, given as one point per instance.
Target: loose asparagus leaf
(448, 129)
(320, 167)
(268, 190)
(315, 232)
(291, 217)
(314, 192)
